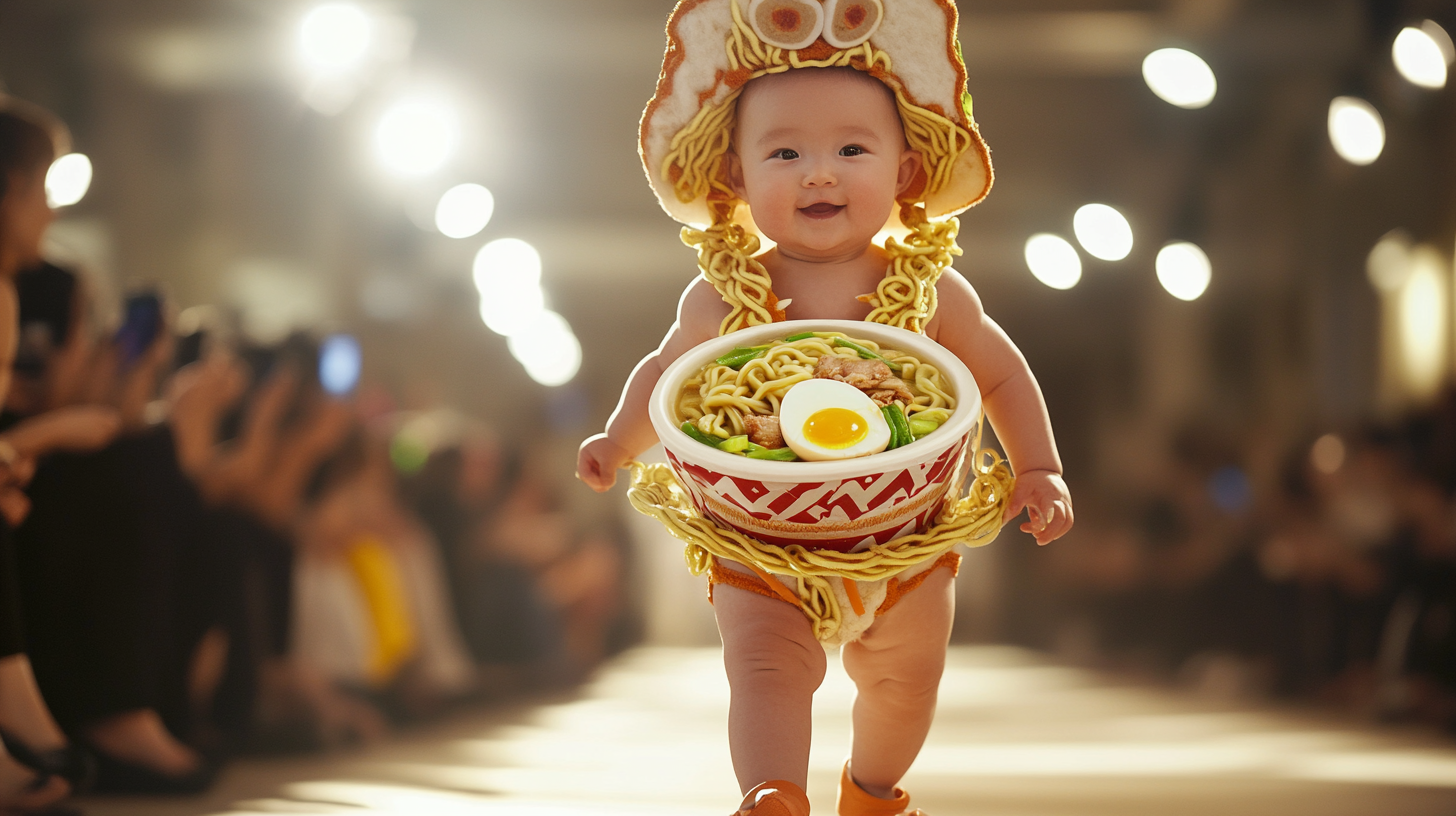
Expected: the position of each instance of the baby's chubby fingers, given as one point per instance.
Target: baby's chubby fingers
(597, 462)
(1050, 523)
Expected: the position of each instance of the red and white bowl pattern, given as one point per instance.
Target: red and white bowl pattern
(837, 505)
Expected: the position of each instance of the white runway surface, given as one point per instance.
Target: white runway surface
(1016, 736)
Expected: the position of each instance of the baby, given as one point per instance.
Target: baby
(820, 156)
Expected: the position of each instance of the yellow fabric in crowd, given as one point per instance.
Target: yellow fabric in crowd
(380, 582)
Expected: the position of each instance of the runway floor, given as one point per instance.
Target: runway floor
(1016, 736)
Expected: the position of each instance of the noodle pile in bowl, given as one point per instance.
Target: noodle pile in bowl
(718, 398)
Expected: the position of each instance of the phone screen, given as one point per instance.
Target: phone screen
(339, 363)
(140, 326)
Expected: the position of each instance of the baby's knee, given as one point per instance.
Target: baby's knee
(776, 660)
(904, 673)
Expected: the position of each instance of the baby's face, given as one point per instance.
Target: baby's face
(820, 157)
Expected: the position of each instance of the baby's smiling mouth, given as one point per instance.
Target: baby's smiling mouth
(821, 210)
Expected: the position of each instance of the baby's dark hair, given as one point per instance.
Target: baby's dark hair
(31, 137)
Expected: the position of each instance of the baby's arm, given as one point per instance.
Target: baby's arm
(1014, 405)
(629, 431)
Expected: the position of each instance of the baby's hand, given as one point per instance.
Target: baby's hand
(598, 461)
(1043, 494)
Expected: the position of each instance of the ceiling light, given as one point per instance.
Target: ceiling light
(464, 210)
(68, 179)
(1180, 77)
(1103, 232)
(1419, 56)
(507, 274)
(547, 348)
(1356, 130)
(334, 37)
(1053, 260)
(416, 136)
(1389, 262)
(1184, 270)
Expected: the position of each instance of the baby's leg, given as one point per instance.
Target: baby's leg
(774, 666)
(896, 667)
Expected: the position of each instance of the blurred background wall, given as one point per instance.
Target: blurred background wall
(244, 159)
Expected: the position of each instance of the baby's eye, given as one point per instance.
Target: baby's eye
(785, 154)
(851, 150)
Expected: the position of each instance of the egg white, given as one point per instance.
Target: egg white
(805, 398)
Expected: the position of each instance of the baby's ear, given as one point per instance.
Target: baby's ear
(733, 166)
(910, 163)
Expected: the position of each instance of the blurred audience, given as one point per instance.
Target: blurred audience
(203, 550)
(1333, 579)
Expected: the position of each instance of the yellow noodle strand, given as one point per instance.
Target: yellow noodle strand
(974, 521)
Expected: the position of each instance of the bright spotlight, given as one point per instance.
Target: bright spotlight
(464, 210)
(334, 37)
(1389, 263)
(1053, 260)
(1423, 316)
(1103, 232)
(68, 179)
(508, 277)
(1356, 130)
(1184, 270)
(548, 349)
(1180, 77)
(416, 136)
(1419, 58)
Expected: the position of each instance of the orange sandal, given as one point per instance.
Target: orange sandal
(775, 798)
(854, 801)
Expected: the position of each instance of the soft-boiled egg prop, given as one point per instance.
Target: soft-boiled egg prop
(828, 419)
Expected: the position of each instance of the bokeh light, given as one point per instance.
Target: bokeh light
(1388, 264)
(464, 210)
(1356, 130)
(1053, 260)
(1423, 316)
(1180, 78)
(68, 179)
(508, 276)
(1103, 232)
(334, 38)
(340, 362)
(1184, 270)
(416, 136)
(1419, 57)
(547, 348)
(1328, 453)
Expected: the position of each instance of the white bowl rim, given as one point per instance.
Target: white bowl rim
(960, 423)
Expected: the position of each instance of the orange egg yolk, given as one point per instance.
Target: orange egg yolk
(835, 428)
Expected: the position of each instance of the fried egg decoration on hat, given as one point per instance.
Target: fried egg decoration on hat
(828, 419)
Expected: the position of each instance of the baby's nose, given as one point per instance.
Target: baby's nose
(819, 174)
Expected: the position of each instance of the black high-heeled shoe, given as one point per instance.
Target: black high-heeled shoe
(118, 776)
(71, 763)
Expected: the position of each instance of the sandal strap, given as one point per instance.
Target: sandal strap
(777, 797)
(855, 801)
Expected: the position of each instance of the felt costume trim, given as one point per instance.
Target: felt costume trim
(761, 583)
(699, 73)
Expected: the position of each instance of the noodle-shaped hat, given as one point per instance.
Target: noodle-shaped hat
(716, 46)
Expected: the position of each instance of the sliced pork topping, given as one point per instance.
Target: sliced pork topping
(862, 374)
(889, 390)
(763, 430)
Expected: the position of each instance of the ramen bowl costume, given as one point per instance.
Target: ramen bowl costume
(841, 540)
